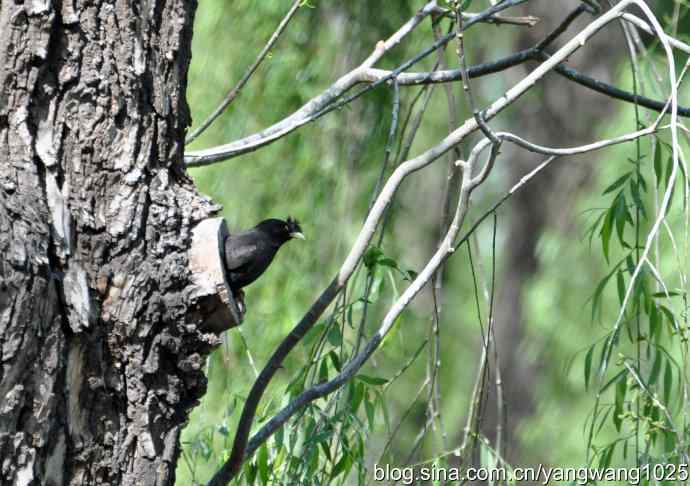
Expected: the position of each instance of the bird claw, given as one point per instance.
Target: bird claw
(239, 298)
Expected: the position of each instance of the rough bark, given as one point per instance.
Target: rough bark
(101, 340)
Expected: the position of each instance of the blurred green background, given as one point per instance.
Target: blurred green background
(324, 174)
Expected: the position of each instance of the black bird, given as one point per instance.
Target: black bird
(249, 253)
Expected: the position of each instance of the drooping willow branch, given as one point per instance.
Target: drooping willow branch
(446, 248)
(241, 449)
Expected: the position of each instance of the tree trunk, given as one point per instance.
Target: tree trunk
(101, 335)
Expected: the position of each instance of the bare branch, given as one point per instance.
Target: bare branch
(310, 111)
(232, 94)
(641, 24)
(325, 102)
(240, 448)
(528, 20)
(322, 389)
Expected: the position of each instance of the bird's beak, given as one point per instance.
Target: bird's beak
(297, 234)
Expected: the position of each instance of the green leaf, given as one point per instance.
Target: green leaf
(620, 284)
(280, 437)
(296, 386)
(335, 337)
(384, 408)
(669, 170)
(588, 364)
(592, 229)
(335, 360)
(313, 461)
(250, 473)
(262, 464)
(313, 333)
(323, 371)
(668, 382)
(669, 316)
(606, 456)
(606, 351)
(326, 450)
(343, 464)
(655, 321)
(370, 410)
(621, 388)
(621, 216)
(388, 262)
(605, 233)
(372, 380)
(635, 192)
(641, 289)
(642, 182)
(356, 396)
(656, 367)
(625, 449)
(596, 298)
(372, 256)
(603, 419)
(618, 183)
(658, 164)
(619, 376)
(670, 443)
(630, 263)
(664, 295)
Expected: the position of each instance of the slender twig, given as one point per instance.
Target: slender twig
(497, 19)
(232, 94)
(434, 360)
(403, 417)
(462, 56)
(327, 101)
(314, 108)
(478, 388)
(672, 41)
(452, 185)
(554, 152)
(241, 447)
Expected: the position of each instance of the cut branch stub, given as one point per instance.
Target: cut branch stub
(212, 293)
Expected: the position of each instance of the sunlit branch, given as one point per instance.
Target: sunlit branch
(232, 94)
(240, 448)
(324, 103)
(327, 101)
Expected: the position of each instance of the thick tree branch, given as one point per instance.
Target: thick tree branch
(232, 466)
(326, 101)
(446, 248)
(314, 106)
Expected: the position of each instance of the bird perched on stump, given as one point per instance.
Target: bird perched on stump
(249, 253)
